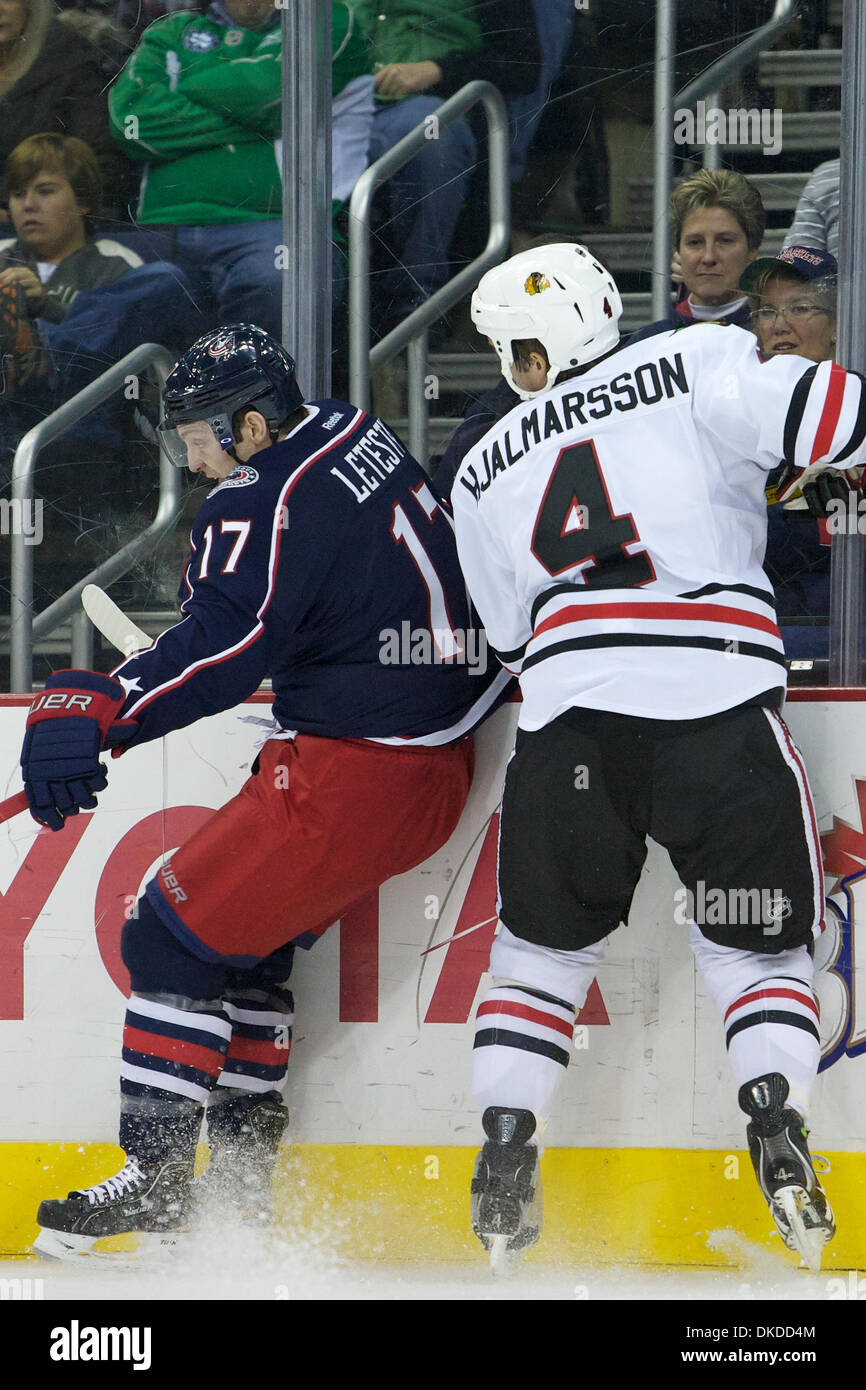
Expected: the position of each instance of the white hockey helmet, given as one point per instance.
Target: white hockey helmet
(559, 294)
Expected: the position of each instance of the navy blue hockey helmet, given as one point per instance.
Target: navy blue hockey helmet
(228, 368)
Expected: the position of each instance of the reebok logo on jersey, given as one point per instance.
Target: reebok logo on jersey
(333, 420)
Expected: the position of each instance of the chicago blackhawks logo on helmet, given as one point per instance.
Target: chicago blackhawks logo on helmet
(536, 282)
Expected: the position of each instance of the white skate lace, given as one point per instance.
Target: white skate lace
(127, 1180)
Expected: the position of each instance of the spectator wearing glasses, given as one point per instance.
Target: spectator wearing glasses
(792, 302)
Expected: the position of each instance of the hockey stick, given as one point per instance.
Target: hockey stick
(112, 622)
(13, 805)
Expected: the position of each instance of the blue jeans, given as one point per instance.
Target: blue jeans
(424, 202)
(554, 20)
(233, 270)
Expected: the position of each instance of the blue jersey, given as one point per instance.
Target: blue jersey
(327, 564)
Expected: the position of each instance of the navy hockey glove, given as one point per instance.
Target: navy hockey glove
(69, 724)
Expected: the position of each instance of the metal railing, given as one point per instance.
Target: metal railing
(24, 625)
(706, 84)
(412, 333)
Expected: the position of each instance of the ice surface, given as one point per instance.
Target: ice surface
(233, 1263)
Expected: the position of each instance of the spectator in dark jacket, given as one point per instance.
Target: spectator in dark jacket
(71, 304)
(717, 223)
(50, 79)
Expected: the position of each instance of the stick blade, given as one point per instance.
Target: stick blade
(112, 622)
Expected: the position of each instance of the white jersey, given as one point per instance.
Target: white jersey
(612, 530)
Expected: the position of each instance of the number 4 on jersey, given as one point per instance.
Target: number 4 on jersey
(576, 527)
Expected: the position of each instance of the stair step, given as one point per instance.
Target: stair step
(779, 193)
(800, 130)
(801, 67)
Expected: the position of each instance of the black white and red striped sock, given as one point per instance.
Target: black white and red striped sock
(176, 1045)
(772, 1025)
(769, 1011)
(523, 1039)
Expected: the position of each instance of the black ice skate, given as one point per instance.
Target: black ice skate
(783, 1167)
(244, 1137)
(142, 1197)
(506, 1187)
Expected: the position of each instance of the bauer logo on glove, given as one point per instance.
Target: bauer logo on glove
(68, 726)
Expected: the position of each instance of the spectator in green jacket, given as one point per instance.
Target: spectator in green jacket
(199, 103)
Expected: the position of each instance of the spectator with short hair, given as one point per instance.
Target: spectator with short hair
(792, 299)
(199, 104)
(64, 313)
(717, 223)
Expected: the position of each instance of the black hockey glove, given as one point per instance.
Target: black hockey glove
(810, 490)
(69, 724)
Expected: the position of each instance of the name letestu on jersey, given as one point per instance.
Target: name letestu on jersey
(646, 385)
(372, 460)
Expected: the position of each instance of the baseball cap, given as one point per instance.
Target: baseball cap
(805, 260)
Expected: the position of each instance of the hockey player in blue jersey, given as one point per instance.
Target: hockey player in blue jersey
(318, 543)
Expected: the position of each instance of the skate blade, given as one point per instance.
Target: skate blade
(121, 1251)
(503, 1262)
(807, 1241)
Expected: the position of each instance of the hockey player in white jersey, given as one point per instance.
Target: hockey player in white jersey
(612, 531)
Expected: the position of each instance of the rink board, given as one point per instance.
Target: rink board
(649, 1159)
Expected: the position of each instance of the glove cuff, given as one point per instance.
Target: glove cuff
(86, 680)
(86, 694)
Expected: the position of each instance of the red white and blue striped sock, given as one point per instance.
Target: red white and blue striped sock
(261, 1040)
(172, 1045)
